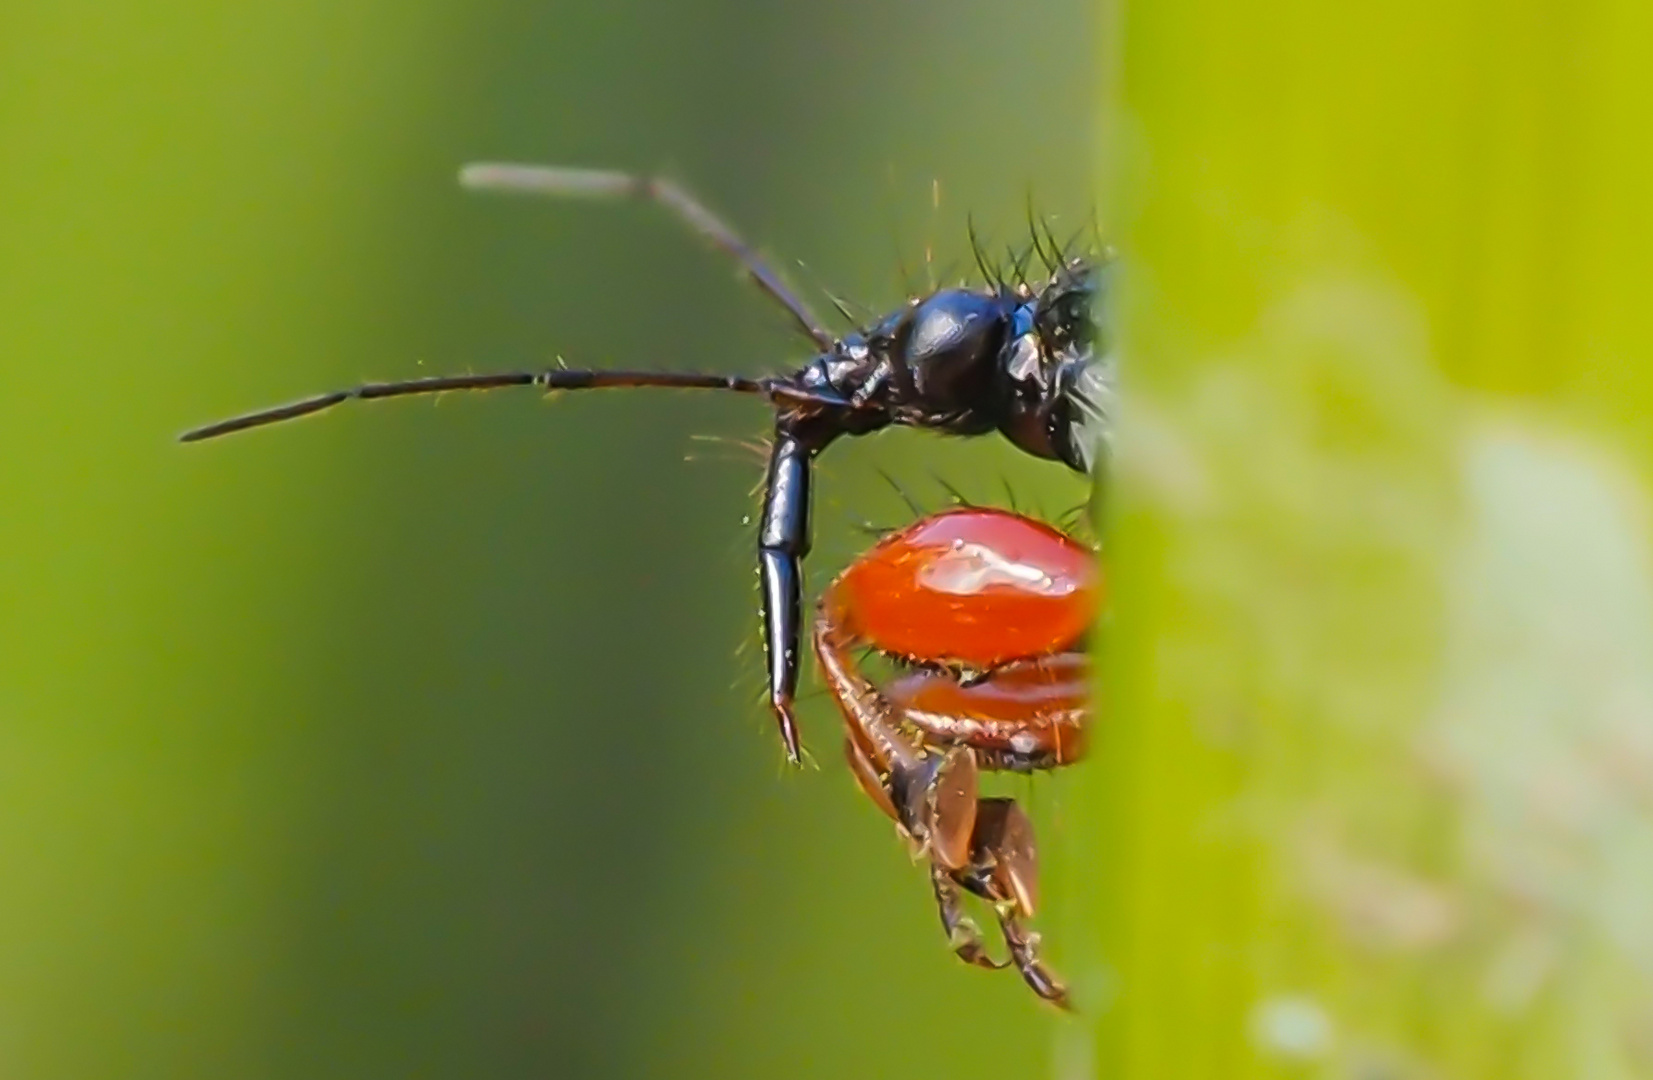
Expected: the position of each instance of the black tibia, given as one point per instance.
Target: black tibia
(783, 540)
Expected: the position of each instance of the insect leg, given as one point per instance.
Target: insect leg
(1024, 953)
(783, 541)
(1001, 870)
(1004, 870)
(931, 792)
(984, 845)
(962, 933)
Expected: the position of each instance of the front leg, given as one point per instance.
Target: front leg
(962, 934)
(1024, 952)
(1004, 870)
(929, 791)
(783, 542)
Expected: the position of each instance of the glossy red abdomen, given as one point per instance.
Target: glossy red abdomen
(973, 586)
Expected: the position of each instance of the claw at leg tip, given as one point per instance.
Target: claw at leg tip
(789, 733)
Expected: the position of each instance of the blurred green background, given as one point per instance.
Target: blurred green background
(1373, 799)
(418, 739)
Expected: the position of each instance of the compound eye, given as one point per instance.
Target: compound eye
(951, 343)
(1066, 318)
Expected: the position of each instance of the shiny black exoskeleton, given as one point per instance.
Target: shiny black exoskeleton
(1024, 360)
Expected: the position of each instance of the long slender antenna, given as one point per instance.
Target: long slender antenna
(604, 183)
(555, 379)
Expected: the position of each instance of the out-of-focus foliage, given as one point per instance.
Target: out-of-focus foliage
(1375, 795)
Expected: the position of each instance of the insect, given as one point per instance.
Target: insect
(1010, 357)
(986, 611)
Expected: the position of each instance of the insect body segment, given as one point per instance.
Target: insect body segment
(1025, 716)
(974, 587)
(989, 608)
(1019, 359)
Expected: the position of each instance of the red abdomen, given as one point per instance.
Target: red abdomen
(971, 586)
